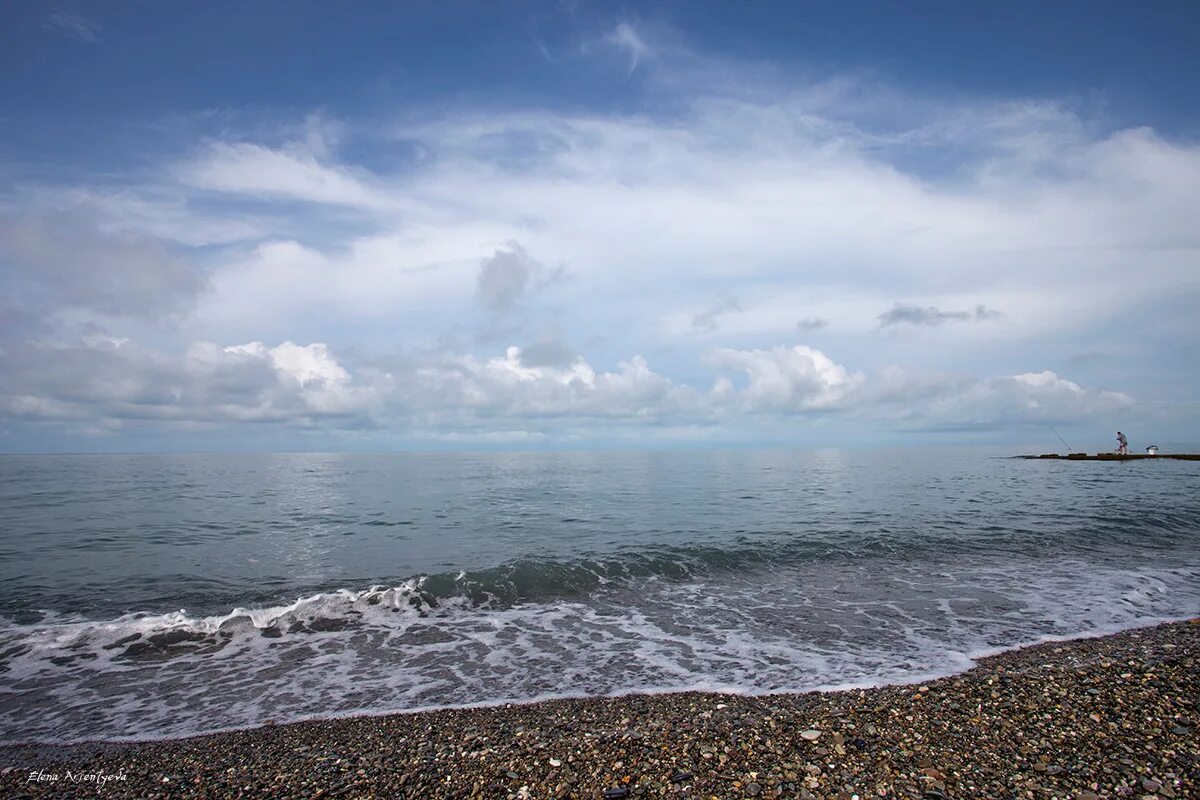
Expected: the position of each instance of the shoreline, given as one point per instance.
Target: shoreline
(972, 660)
(1103, 716)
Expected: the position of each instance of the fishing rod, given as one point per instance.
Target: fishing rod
(1064, 441)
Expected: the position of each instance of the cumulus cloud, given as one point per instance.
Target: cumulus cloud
(811, 324)
(905, 314)
(309, 371)
(507, 386)
(1023, 399)
(786, 379)
(755, 384)
(957, 402)
(113, 381)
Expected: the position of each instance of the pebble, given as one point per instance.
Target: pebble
(1019, 725)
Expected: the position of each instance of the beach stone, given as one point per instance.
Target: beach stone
(810, 735)
(984, 748)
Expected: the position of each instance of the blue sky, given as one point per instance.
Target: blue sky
(259, 226)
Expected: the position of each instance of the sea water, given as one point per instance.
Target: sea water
(165, 595)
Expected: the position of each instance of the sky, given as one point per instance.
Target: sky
(306, 226)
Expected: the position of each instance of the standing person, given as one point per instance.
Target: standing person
(1122, 444)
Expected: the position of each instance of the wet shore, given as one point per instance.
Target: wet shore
(1114, 716)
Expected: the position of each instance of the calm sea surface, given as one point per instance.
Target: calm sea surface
(145, 596)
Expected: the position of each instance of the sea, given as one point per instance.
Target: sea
(158, 596)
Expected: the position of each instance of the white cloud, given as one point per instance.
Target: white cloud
(739, 191)
(787, 379)
(1026, 398)
(74, 25)
(116, 382)
(626, 37)
(954, 402)
(789, 203)
(161, 212)
(112, 382)
(292, 173)
(505, 386)
(801, 212)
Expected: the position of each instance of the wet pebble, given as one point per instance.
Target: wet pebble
(1021, 724)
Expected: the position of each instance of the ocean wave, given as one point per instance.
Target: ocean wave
(375, 649)
(155, 634)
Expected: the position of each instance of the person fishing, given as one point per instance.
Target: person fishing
(1122, 444)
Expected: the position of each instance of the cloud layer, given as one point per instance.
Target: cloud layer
(103, 384)
(759, 247)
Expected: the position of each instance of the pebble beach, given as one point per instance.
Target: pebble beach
(1113, 716)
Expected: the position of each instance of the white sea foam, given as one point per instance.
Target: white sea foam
(375, 650)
